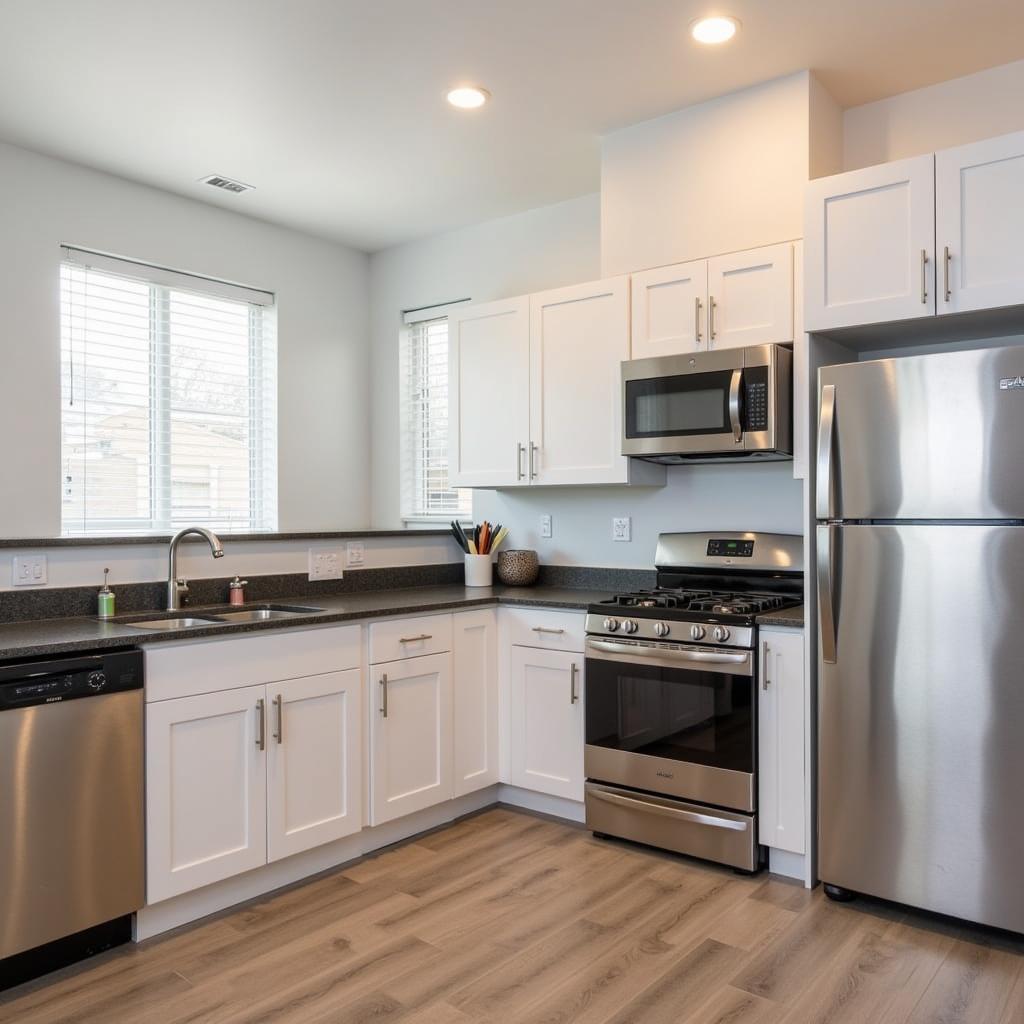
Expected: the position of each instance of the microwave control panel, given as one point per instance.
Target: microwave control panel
(755, 398)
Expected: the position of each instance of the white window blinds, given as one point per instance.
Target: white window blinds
(168, 412)
(424, 412)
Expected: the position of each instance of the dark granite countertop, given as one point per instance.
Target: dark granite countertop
(791, 617)
(44, 637)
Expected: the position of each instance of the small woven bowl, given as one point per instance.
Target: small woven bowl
(518, 568)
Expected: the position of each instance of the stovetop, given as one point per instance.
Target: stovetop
(680, 603)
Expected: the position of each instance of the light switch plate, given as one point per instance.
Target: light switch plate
(28, 571)
(354, 553)
(545, 526)
(622, 528)
(325, 564)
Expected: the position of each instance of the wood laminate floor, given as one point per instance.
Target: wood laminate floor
(507, 918)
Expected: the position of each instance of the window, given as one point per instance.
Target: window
(168, 401)
(424, 405)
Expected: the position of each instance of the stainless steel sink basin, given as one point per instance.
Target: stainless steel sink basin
(173, 622)
(265, 614)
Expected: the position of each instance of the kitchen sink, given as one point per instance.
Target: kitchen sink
(264, 614)
(174, 622)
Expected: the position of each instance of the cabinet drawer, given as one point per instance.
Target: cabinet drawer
(550, 630)
(410, 638)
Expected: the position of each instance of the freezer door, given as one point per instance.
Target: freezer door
(921, 718)
(923, 437)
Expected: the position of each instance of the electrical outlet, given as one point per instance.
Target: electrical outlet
(325, 564)
(354, 552)
(622, 528)
(545, 526)
(28, 571)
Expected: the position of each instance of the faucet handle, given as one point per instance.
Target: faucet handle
(181, 585)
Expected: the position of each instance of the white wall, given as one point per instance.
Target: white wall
(717, 177)
(951, 113)
(547, 248)
(543, 248)
(322, 326)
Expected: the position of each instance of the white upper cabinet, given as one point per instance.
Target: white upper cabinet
(314, 767)
(870, 245)
(750, 297)
(670, 310)
(578, 338)
(979, 229)
(489, 382)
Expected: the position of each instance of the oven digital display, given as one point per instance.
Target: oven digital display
(731, 548)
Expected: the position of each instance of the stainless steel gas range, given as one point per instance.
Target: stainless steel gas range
(671, 695)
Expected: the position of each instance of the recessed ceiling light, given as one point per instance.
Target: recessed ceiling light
(467, 97)
(715, 30)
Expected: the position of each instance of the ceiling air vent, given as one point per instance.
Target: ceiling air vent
(228, 184)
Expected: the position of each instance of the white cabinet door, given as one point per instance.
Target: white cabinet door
(488, 396)
(410, 735)
(578, 337)
(669, 310)
(475, 700)
(546, 701)
(750, 297)
(206, 789)
(782, 780)
(979, 230)
(869, 245)
(314, 793)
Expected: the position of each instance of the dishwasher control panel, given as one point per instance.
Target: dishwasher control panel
(50, 682)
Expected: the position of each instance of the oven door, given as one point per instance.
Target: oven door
(673, 720)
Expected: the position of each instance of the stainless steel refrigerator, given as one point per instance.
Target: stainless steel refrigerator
(920, 572)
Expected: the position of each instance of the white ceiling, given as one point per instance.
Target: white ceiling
(335, 111)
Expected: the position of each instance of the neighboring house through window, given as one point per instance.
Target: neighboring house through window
(168, 400)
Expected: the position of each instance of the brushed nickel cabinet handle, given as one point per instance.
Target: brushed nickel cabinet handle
(924, 276)
(573, 692)
(765, 654)
(519, 460)
(548, 629)
(533, 460)
(712, 306)
(415, 639)
(696, 319)
(384, 695)
(947, 257)
(279, 704)
(261, 732)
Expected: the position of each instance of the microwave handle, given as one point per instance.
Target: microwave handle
(734, 406)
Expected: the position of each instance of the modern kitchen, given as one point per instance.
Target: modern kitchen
(508, 512)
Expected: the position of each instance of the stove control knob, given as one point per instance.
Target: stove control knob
(697, 632)
(661, 628)
(720, 633)
(96, 681)
(629, 626)
(611, 625)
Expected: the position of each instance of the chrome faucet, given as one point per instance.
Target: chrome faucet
(177, 588)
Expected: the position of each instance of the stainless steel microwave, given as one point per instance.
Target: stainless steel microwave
(709, 406)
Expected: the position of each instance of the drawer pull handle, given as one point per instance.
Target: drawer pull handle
(415, 639)
(548, 629)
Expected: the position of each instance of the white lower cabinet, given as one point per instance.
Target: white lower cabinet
(314, 766)
(781, 741)
(410, 736)
(206, 785)
(546, 734)
(475, 700)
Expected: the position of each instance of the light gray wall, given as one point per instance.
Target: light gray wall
(323, 402)
(548, 248)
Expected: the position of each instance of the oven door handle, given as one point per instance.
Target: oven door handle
(609, 650)
(676, 813)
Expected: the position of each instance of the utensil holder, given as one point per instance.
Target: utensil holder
(478, 570)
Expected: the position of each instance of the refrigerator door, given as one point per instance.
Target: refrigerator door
(923, 437)
(921, 718)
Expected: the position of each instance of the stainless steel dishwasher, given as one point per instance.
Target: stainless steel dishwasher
(72, 837)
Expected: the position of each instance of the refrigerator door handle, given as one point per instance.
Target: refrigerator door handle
(826, 605)
(826, 443)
